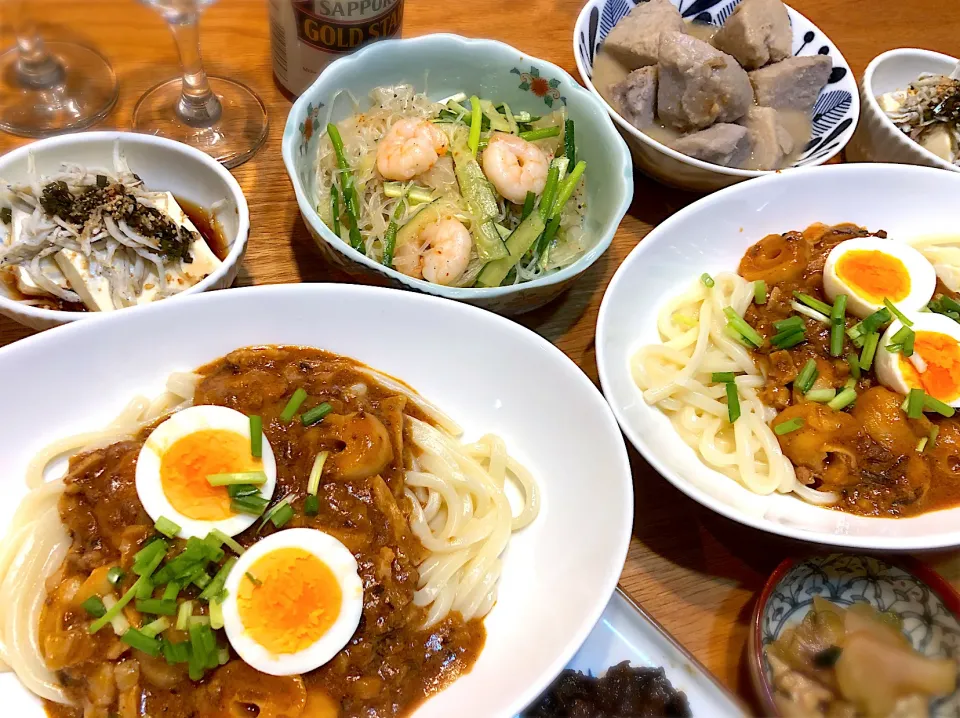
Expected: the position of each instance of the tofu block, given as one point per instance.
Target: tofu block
(699, 85)
(25, 283)
(758, 32)
(792, 84)
(636, 97)
(772, 141)
(94, 290)
(635, 41)
(723, 144)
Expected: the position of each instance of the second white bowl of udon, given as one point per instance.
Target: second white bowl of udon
(711, 236)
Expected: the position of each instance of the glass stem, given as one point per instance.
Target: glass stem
(197, 106)
(36, 68)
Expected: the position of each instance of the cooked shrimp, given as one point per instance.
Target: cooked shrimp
(409, 148)
(440, 254)
(515, 166)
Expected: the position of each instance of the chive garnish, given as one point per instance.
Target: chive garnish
(115, 575)
(115, 610)
(256, 436)
(167, 527)
(145, 589)
(938, 406)
(157, 606)
(184, 612)
(869, 350)
(227, 541)
(934, 432)
(707, 280)
(216, 584)
(821, 396)
(316, 414)
(722, 377)
(313, 484)
(216, 613)
(759, 292)
(858, 332)
(793, 323)
(854, 363)
(249, 504)
(915, 403)
(282, 516)
(740, 326)
(94, 607)
(135, 639)
(299, 396)
(787, 426)
(897, 313)
(813, 303)
(171, 591)
(311, 506)
(253, 579)
(788, 339)
(842, 400)
(837, 324)
(807, 376)
(238, 477)
(154, 627)
(733, 402)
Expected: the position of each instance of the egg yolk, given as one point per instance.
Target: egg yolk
(874, 275)
(941, 354)
(186, 464)
(289, 600)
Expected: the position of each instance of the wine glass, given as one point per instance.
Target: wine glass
(51, 87)
(220, 116)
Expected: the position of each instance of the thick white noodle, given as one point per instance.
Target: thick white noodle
(676, 376)
(461, 514)
(943, 252)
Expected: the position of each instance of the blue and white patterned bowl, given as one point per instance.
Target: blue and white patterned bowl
(835, 114)
(923, 599)
(442, 65)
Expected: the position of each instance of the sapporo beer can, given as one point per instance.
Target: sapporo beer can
(307, 35)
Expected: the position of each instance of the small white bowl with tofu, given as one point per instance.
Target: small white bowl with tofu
(882, 90)
(100, 221)
(710, 94)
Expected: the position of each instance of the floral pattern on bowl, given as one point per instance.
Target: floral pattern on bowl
(442, 65)
(835, 113)
(924, 601)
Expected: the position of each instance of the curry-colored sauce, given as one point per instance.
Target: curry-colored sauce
(867, 454)
(390, 665)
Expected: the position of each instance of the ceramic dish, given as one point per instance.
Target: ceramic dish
(442, 65)
(877, 139)
(711, 235)
(834, 115)
(926, 603)
(558, 573)
(164, 165)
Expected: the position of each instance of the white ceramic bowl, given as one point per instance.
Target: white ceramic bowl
(877, 139)
(711, 235)
(442, 65)
(558, 573)
(164, 165)
(834, 115)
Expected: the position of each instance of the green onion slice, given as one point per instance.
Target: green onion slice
(720, 377)
(854, 363)
(760, 292)
(842, 400)
(897, 313)
(311, 506)
(216, 585)
(745, 330)
(256, 436)
(154, 627)
(934, 432)
(94, 607)
(707, 280)
(813, 303)
(793, 322)
(807, 376)
(821, 396)
(915, 403)
(869, 350)
(115, 575)
(316, 414)
(134, 638)
(256, 478)
(227, 541)
(934, 404)
(733, 402)
(313, 484)
(787, 426)
(184, 612)
(299, 396)
(167, 527)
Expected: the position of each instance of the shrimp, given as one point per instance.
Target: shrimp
(515, 166)
(409, 148)
(440, 254)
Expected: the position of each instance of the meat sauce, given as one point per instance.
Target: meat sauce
(868, 454)
(390, 665)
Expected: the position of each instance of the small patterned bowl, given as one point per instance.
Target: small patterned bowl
(877, 139)
(928, 605)
(442, 65)
(835, 113)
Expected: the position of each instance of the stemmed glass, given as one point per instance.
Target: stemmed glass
(220, 116)
(51, 87)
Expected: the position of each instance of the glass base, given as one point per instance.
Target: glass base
(232, 139)
(84, 93)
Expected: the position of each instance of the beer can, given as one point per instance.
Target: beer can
(307, 35)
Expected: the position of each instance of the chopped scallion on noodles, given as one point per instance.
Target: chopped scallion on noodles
(733, 402)
(807, 376)
(786, 427)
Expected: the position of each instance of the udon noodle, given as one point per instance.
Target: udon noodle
(675, 377)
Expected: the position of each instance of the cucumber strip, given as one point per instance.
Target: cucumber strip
(480, 199)
(518, 244)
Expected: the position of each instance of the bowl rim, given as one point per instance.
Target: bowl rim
(939, 585)
(237, 247)
(652, 455)
(870, 98)
(693, 162)
(621, 168)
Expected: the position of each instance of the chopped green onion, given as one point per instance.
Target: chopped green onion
(253, 579)
(836, 340)
(722, 377)
(787, 426)
(94, 606)
(135, 639)
(528, 204)
(416, 195)
(313, 484)
(166, 527)
(256, 436)
(316, 414)
(907, 349)
(807, 376)
(549, 193)
(223, 655)
(869, 350)
(760, 292)
(390, 236)
(216, 585)
(745, 330)
(146, 560)
(115, 575)
(249, 505)
(566, 188)
(850, 383)
(737, 336)
(842, 400)
(199, 620)
(311, 506)
(854, 363)
(282, 516)
(839, 312)
(239, 491)
(335, 209)
(540, 134)
(237, 477)
(788, 339)
(350, 198)
(791, 323)
(872, 323)
(476, 120)
(201, 581)
(157, 606)
(733, 402)
(707, 280)
(897, 313)
(808, 312)
(814, 303)
(171, 591)
(145, 590)
(569, 142)
(154, 627)
(915, 403)
(948, 306)
(285, 501)
(183, 615)
(228, 541)
(837, 324)
(922, 444)
(900, 336)
(934, 433)
(821, 395)
(176, 653)
(938, 406)
(299, 396)
(216, 614)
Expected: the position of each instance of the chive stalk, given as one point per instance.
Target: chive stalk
(813, 303)
(733, 402)
(299, 396)
(807, 376)
(760, 292)
(540, 134)
(476, 119)
(256, 436)
(316, 414)
(255, 478)
(785, 427)
(313, 484)
(739, 325)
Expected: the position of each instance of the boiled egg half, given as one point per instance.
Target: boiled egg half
(294, 599)
(869, 270)
(935, 364)
(180, 454)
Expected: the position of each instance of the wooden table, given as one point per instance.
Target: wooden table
(697, 573)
